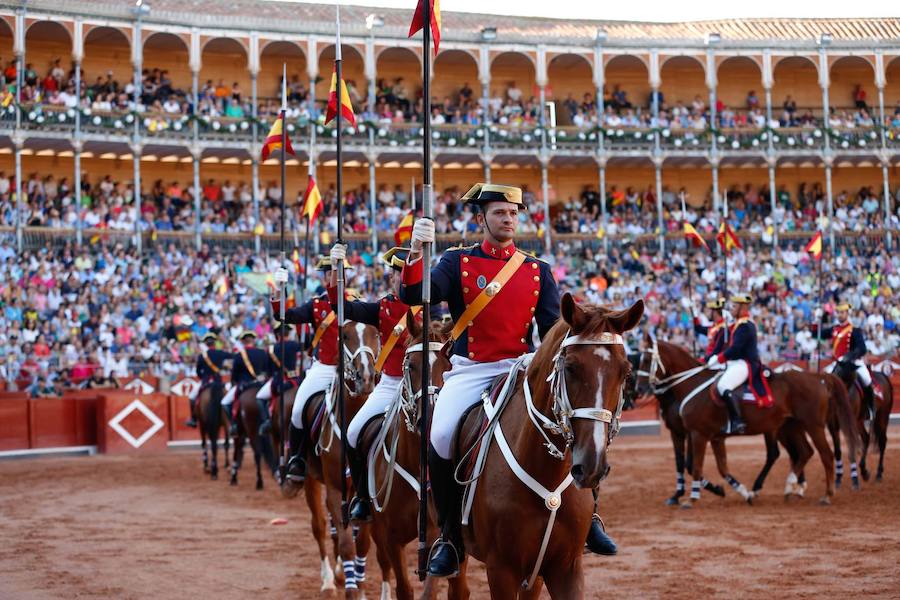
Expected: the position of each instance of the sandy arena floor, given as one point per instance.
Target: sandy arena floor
(156, 527)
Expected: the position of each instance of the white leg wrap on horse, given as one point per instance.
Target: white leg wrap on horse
(853, 470)
(265, 392)
(229, 395)
(679, 482)
(695, 489)
(360, 564)
(375, 405)
(463, 385)
(349, 575)
(386, 591)
(790, 485)
(318, 378)
(839, 467)
(327, 576)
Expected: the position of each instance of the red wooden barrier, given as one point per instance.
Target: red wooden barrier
(14, 418)
(129, 423)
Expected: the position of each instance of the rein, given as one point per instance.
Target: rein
(660, 386)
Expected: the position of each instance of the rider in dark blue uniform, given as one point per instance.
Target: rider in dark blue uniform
(209, 366)
(274, 387)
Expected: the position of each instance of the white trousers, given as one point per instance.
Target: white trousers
(318, 377)
(229, 395)
(463, 385)
(376, 405)
(862, 371)
(736, 373)
(265, 392)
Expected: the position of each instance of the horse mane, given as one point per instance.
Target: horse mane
(678, 350)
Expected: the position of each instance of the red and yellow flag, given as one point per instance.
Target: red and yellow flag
(295, 258)
(346, 106)
(312, 201)
(273, 140)
(727, 239)
(692, 236)
(418, 21)
(222, 287)
(814, 247)
(404, 230)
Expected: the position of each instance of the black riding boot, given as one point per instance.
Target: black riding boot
(265, 420)
(232, 422)
(736, 424)
(869, 399)
(192, 421)
(360, 506)
(447, 494)
(296, 467)
(598, 541)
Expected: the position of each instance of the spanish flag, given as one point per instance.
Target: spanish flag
(418, 21)
(814, 247)
(273, 140)
(312, 201)
(727, 238)
(295, 258)
(404, 230)
(346, 107)
(692, 236)
(222, 287)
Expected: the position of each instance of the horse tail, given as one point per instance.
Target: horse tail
(840, 398)
(214, 410)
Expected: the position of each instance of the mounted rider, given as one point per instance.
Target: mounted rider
(848, 347)
(321, 373)
(209, 366)
(715, 333)
(489, 337)
(274, 387)
(250, 367)
(741, 359)
(389, 315)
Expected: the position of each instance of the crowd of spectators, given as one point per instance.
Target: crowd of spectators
(77, 317)
(227, 207)
(399, 101)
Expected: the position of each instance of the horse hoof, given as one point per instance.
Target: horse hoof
(865, 474)
(855, 484)
(259, 485)
(687, 505)
(878, 478)
(214, 476)
(837, 484)
(289, 490)
(718, 490)
(233, 481)
(673, 501)
(824, 501)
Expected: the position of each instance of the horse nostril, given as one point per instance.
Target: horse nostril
(577, 472)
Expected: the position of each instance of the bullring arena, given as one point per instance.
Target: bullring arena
(661, 166)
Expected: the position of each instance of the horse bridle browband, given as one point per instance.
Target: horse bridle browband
(408, 398)
(350, 374)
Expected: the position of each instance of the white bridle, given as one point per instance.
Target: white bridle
(410, 399)
(563, 411)
(661, 385)
(350, 374)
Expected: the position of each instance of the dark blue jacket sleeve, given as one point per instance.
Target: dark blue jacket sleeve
(443, 277)
(361, 312)
(700, 329)
(547, 312)
(857, 345)
(299, 314)
(744, 338)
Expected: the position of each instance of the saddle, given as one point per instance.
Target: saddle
(754, 390)
(472, 427)
(314, 416)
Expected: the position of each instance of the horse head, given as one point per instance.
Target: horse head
(361, 342)
(587, 382)
(439, 344)
(660, 360)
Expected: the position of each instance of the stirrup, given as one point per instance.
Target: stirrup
(439, 543)
(360, 510)
(296, 461)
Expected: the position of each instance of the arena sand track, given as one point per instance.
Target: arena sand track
(155, 527)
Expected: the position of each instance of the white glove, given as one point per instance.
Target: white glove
(713, 361)
(281, 275)
(422, 233)
(818, 314)
(338, 253)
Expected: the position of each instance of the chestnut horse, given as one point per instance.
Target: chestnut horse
(210, 417)
(884, 403)
(324, 457)
(559, 421)
(394, 448)
(804, 397)
(652, 379)
(248, 422)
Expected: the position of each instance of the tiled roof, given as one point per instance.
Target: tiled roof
(319, 18)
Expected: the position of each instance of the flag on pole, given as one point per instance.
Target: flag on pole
(692, 236)
(346, 107)
(404, 230)
(727, 239)
(273, 140)
(312, 201)
(222, 286)
(418, 21)
(295, 258)
(814, 247)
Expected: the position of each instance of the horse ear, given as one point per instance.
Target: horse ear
(571, 313)
(627, 319)
(412, 325)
